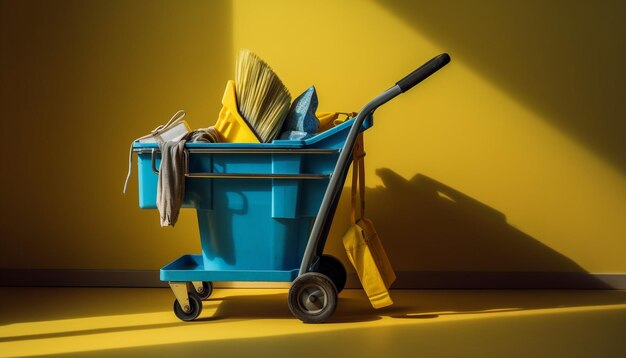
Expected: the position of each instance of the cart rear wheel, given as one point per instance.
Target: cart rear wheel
(205, 291)
(312, 297)
(334, 269)
(194, 309)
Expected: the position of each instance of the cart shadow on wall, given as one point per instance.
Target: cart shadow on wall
(437, 229)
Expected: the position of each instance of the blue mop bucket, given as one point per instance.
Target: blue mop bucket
(255, 203)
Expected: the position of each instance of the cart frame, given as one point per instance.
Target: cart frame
(313, 294)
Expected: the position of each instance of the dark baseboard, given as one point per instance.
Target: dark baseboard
(405, 279)
(80, 278)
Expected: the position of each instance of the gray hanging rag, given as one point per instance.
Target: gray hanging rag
(171, 182)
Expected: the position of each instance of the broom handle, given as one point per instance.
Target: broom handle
(334, 186)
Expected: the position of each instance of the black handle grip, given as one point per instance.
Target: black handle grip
(423, 72)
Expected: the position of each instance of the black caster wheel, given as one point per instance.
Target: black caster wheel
(312, 297)
(205, 291)
(192, 312)
(334, 269)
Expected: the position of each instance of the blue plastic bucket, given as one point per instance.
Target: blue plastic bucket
(252, 224)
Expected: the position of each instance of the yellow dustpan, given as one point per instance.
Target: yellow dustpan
(362, 244)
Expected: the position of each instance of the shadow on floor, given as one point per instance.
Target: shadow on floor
(353, 305)
(67, 303)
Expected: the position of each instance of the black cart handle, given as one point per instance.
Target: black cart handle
(321, 224)
(423, 72)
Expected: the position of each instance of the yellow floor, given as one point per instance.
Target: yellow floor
(257, 323)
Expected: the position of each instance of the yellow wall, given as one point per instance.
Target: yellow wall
(509, 159)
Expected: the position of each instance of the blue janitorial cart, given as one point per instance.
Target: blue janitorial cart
(264, 211)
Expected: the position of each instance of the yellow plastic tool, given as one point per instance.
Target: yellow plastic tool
(231, 126)
(362, 244)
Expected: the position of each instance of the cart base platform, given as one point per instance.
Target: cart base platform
(191, 268)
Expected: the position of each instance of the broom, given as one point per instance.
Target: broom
(262, 99)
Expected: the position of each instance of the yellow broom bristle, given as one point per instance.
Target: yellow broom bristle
(262, 98)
